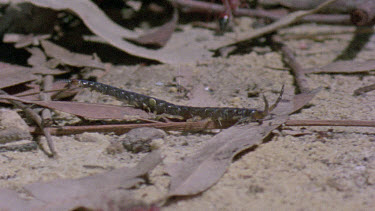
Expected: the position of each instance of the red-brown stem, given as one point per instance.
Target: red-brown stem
(205, 7)
(190, 126)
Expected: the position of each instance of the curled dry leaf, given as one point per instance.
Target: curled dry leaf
(184, 47)
(97, 192)
(202, 170)
(161, 35)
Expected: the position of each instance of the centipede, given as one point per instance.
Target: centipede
(162, 107)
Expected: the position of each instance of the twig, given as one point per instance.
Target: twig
(350, 123)
(123, 128)
(285, 21)
(46, 113)
(364, 89)
(38, 121)
(296, 67)
(206, 7)
(190, 126)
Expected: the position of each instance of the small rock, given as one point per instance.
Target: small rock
(12, 127)
(115, 148)
(139, 139)
(91, 137)
(156, 143)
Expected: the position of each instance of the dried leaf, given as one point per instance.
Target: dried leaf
(37, 57)
(22, 40)
(202, 170)
(184, 49)
(33, 91)
(344, 67)
(104, 191)
(161, 35)
(88, 110)
(66, 57)
(12, 75)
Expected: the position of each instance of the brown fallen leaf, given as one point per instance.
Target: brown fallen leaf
(106, 191)
(66, 57)
(184, 49)
(202, 170)
(37, 58)
(32, 91)
(88, 110)
(161, 35)
(22, 40)
(344, 67)
(11, 75)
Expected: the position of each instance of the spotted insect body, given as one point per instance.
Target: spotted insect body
(161, 107)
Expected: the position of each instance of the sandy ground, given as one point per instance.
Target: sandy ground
(301, 168)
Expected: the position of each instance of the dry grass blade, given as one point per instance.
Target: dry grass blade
(200, 171)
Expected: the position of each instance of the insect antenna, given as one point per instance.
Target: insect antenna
(278, 100)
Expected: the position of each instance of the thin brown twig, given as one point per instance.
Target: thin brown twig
(206, 7)
(364, 89)
(123, 128)
(348, 123)
(44, 91)
(46, 113)
(190, 126)
(296, 68)
(283, 22)
(37, 119)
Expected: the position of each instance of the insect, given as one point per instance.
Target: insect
(161, 107)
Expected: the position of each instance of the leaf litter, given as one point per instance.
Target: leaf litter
(225, 154)
(105, 191)
(202, 170)
(66, 57)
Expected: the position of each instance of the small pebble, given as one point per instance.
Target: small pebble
(140, 139)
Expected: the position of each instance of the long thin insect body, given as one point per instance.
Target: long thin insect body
(162, 107)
